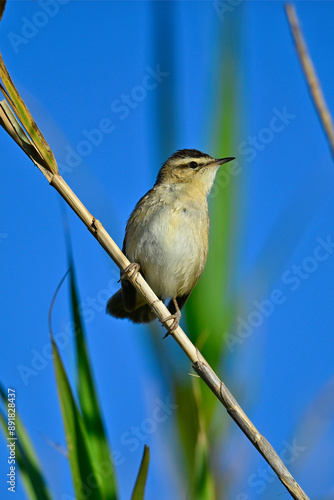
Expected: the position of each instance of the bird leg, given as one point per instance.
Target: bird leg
(175, 317)
(130, 271)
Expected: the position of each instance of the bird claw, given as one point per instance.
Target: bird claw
(176, 321)
(130, 271)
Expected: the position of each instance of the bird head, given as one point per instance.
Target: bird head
(192, 169)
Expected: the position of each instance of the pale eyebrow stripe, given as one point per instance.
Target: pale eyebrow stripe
(199, 161)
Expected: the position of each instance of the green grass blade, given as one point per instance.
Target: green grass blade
(203, 487)
(202, 479)
(139, 488)
(30, 469)
(208, 310)
(23, 114)
(187, 421)
(211, 308)
(89, 404)
(83, 473)
(11, 125)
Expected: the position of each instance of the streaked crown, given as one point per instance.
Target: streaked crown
(182, 165)
(190, 165)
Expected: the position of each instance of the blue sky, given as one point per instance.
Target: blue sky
(73, 62)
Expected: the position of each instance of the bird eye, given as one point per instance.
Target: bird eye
(193, 164)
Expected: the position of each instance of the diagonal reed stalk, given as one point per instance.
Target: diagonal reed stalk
(33, 143)
(310, 75)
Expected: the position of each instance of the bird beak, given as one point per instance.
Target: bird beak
(221, 161)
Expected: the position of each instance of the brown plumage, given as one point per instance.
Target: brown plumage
(167, 234)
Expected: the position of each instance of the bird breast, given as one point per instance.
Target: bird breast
(167, 234)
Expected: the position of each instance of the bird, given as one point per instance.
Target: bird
(167, 235)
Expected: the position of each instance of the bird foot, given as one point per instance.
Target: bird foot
(176, 321)
(130, 271)
(175, 317)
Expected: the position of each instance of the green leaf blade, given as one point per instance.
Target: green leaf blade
(139, 488)
(89, 404)
(31, 471)
(84, 476)
(23, 114)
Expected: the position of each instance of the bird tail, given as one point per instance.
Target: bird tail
(115, 307)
